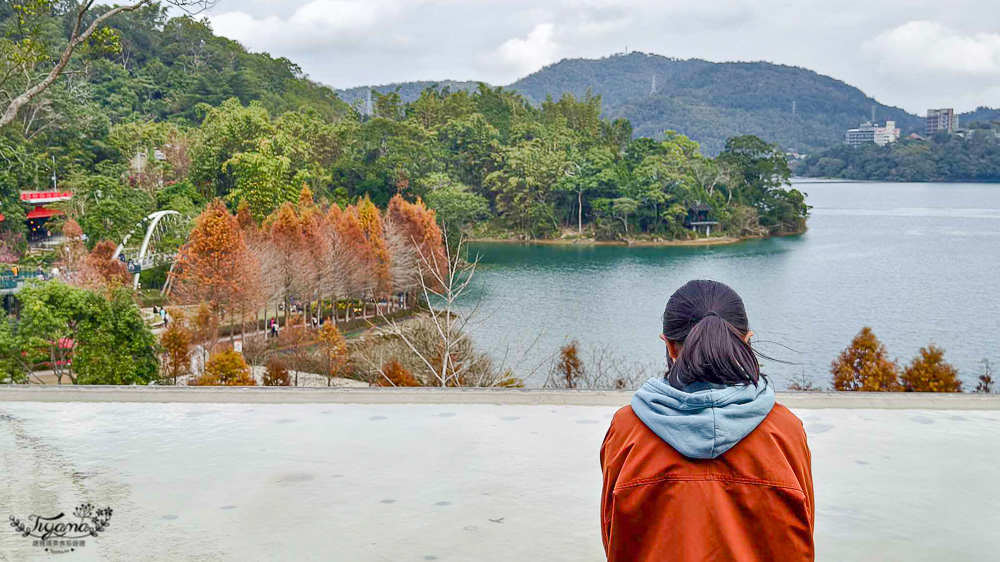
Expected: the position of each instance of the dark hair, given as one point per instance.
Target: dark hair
(709, 320)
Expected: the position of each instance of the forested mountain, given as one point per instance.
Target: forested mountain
(981, 115)
(407, 91)
(149, 68)
(707, 101)
(711, 102)
(158, 68)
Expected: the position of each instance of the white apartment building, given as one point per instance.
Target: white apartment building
(872, 132)
(941, 121)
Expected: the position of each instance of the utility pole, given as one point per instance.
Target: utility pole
(873, 114)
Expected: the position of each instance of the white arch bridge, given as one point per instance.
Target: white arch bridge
(146, 255)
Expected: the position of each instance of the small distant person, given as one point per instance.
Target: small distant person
(155, 310)
(704, 465)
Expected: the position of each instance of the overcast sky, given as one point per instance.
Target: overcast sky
(914, 54)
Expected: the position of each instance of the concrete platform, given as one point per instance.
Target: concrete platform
(450, 481)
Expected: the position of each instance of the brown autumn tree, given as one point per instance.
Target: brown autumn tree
(865, 366)
(276, 374)
(98, 269)
(226, 368)
(928, 372)
(316, 252)
(370, 220)
(334, 349)
(412, 229)
(176, 343)
(215, 265)
(283, 256)
(334, 264)
(204, 328)
(355, 250)
(73, 252)
(244, 218)
(569, 366)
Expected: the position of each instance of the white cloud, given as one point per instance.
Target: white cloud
(945, 56)
(315, 26)
(519, 56)
(922, 49)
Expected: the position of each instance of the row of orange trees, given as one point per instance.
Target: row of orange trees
(306, 253)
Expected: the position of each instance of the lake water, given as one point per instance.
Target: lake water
(919, 263)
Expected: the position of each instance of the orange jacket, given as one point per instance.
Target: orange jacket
(755, 502)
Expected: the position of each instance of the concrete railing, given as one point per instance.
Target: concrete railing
(280, 395)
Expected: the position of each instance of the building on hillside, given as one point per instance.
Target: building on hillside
(698, 219)
(39, 215)
(941, 121)
(872, 132)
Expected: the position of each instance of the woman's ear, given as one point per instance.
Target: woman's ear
(747, 337)
(673, 349)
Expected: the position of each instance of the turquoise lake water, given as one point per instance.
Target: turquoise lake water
(919, 263)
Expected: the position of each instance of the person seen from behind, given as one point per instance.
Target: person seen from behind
(704, 465)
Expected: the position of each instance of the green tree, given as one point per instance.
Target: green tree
(24, 52)
(109, 210)
(226, 131)
(453, 203)
(52, 316)
(262, 179)
(15, 359)
(523, 185)
(116, 345)
(761, 172)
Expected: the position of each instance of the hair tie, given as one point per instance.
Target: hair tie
(710, 313)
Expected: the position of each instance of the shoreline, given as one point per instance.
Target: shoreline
(720, 241)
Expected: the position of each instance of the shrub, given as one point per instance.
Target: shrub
(928, 372)
(802, 383)
(176, 343)
(395, 374)
(334, 348)
(226, 368)
(864, 366)
(985, 384)
(568, 368)
(276, 374)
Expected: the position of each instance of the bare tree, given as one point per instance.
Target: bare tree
(404, 269)
(79, 35)
(448, 359)
(603, 369)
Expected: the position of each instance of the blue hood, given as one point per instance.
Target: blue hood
(703, 421)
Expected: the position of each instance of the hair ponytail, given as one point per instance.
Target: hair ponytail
(709, 320)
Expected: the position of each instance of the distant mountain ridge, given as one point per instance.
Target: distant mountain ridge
(408, 91)
(704, 100)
